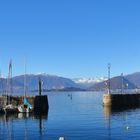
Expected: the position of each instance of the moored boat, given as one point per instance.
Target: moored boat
(25, 107)
(10, 109)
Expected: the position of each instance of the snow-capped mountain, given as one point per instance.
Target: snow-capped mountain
(89, 81)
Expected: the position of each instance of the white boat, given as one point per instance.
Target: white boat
(10, 109)
(25, 107)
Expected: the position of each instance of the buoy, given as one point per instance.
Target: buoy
(127, 127)
(61, 138)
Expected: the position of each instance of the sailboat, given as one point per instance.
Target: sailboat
(9, 107)
(25, 106)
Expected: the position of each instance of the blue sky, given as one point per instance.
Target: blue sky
(70, 38)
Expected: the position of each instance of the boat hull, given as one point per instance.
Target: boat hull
(10, 109)
(24, 109)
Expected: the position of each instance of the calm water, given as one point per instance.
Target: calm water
(76, 116)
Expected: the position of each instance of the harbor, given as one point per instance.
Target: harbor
(75, 118)
(122, 99)
(17, 100)
(10, 104)
(25, 104)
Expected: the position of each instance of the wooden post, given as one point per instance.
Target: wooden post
(39, 87)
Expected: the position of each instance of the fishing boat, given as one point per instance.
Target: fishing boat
(25, 106)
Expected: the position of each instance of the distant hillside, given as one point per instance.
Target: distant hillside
(115, 83)
(134, 78)
(50, 83)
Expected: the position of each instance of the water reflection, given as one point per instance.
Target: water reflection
(40, 118)
(107, 112)
(14, 125)
(107, 117)
(110, 110)
(23, 115)
(76, 116)
(121, 116)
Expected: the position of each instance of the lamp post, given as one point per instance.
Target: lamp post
(109, 66)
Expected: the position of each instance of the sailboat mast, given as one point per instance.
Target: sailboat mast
(122, 83)
(9, 78)
(25, 81)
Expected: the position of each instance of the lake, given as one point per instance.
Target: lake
(76, 116)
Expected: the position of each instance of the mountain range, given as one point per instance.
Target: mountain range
(118, 82)
(134, 78)
(51, 82)
(88, 82)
